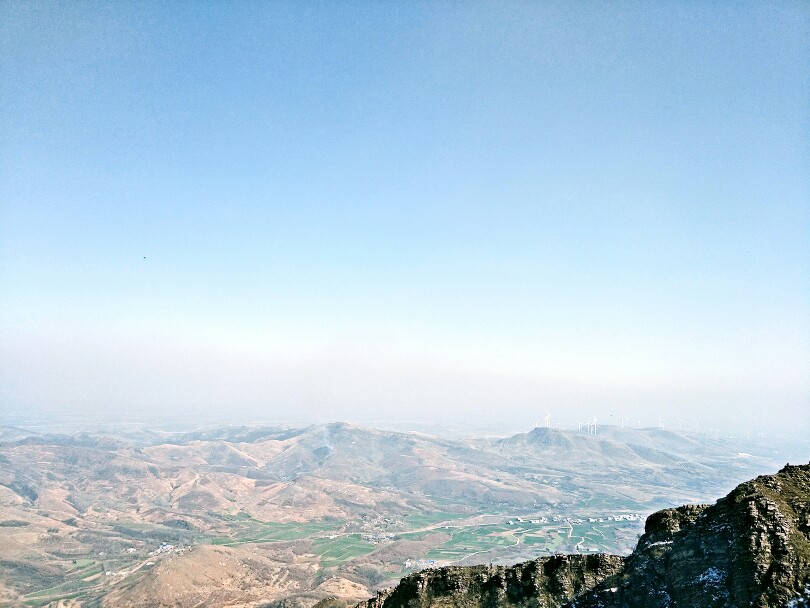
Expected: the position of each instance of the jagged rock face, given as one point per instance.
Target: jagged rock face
(752, 548)
(749, 549)
(546, 582)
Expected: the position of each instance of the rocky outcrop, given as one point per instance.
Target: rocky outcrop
(752, 548)
(549, 581)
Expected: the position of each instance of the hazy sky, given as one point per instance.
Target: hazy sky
(413, 210)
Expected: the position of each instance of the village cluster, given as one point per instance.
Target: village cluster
(378, 538)
(167, 548)
(559, 518)
(163, 549)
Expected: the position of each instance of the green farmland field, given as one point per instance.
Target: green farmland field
(334, 551)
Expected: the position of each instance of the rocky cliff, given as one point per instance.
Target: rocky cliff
(751, 548)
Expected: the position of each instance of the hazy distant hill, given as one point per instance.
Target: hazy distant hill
(633, 462)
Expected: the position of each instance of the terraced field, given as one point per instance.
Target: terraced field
(246, 529)
(335, 551)
(468, 538)
(500, 541)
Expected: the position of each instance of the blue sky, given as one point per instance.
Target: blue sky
(302, 211)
